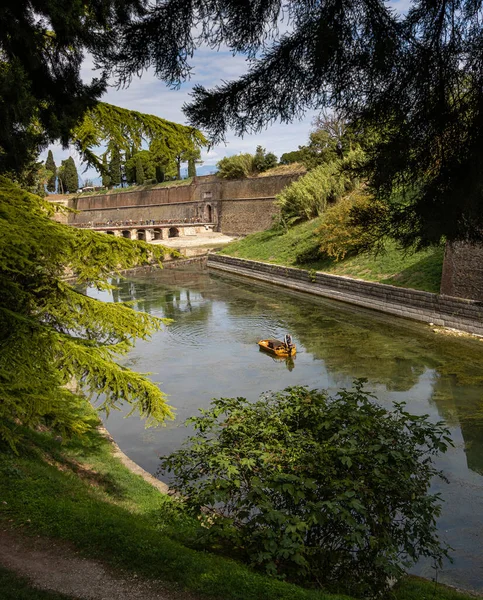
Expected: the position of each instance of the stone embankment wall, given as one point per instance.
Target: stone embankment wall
(463, 271)
(446, 311)
(237, 207)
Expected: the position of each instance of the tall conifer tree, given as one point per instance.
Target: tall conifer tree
(139, 171)
(115, 167)
(69, 175)
(51, 167)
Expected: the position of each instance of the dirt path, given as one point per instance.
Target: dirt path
(57, 566)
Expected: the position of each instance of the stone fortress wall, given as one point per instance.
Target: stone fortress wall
(236, 207)
(240, 207)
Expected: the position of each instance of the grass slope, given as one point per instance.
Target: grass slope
(80, 492)
(420, 270)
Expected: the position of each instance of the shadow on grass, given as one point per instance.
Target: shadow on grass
(423, 275)
(13, 587)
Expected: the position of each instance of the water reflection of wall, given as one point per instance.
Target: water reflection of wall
(172, 301)
(463, 405)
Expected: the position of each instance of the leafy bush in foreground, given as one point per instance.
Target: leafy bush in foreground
(328, 490)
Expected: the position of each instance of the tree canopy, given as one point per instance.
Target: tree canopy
(416, 79)
(124, 130)
(52, 169)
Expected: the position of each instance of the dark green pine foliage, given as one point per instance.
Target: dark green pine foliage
(51, 333)
(139, 171)
(115, 167)
(51, 168)
(106, 178)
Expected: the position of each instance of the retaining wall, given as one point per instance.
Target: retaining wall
(446, 311)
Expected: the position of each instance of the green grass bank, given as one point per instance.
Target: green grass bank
(81, 493)
(419, 271)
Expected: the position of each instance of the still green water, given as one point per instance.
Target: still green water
(210, 350)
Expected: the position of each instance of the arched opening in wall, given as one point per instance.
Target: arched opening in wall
(126, 234)
(209, 213)
(110, 232)
(173, 232)
(156, 234)
(141, 235)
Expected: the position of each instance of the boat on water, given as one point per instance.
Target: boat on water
(279, 348)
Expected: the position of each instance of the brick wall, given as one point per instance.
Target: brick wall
(463, 271)
(164, 195)
(465, 315)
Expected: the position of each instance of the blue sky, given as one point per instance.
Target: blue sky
(150, 95)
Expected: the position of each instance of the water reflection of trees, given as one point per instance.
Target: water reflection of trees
(351, 342)
(172, 301)
(386, 351)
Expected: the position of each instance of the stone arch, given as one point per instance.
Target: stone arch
(126, 234)
(173, 232)
(110, 232)
(157, 234)
(141, 234)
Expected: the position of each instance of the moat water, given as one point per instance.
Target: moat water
(210, 350)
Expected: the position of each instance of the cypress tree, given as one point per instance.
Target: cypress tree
(139, 171)
(159, 174)
(106, 178)
(50, 166)
(191, 167)
(115, 167)
(70, 175)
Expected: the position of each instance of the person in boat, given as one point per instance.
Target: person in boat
(287, 340)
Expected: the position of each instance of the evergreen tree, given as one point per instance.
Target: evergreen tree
(68, 176)
(262, 160)
(52, 169)
(159, 174)
(52, 333)
(139, 171)
(115, 167)
(106, 178)
(115, 127)
(191, 167)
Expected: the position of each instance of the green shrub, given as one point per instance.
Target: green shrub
(339, 236)
(332, 491)
(236, 167)
(309, 196)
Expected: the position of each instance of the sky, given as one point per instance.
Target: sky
(150, 95)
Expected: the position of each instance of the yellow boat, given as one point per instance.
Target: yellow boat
(278, 348)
